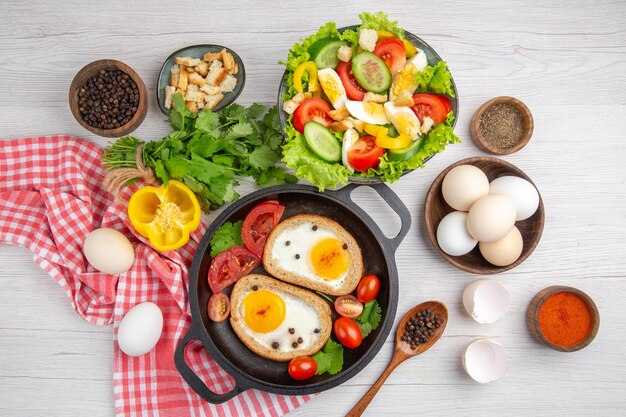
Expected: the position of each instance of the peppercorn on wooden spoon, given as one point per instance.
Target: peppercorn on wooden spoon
(403, 349)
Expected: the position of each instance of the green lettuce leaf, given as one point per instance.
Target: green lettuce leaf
(297, 156)
(435, 79)
(380, 21)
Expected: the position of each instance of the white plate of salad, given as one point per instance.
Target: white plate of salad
(365, 103)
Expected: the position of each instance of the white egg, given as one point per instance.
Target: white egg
(504, 251)
(297, 314)
(349, 138)
(303, 243)
(403, 119)
(140, 329)
(522, 193)
(484, 360)
(452, 234)
(369, 112)
(486, 300)
(463, 186)
(491, 218)
(108, 251)
(333, 87)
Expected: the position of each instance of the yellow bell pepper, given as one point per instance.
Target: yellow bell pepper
(409, 48)
(384, 141)
(311, 69)
(165, 215)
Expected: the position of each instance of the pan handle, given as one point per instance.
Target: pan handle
(392, 200)
(194, 381)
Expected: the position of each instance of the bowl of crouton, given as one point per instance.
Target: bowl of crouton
(208, 77)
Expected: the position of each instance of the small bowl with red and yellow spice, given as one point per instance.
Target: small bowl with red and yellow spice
(563, 318)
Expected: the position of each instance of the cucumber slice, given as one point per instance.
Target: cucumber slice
(324, 52)
(404, 153)
(322, 142)
(371, 72)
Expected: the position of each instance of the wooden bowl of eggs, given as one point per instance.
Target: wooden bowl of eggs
(484, 215)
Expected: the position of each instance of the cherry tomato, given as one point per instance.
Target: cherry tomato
(314, 109)
(218, 307)
(302, 368)
(353, 90)
(348, 332)
(348, 306)
(230, 265)
(368, 288)
(259, 223)
(429, 105)
(365, 154)
(391, 50)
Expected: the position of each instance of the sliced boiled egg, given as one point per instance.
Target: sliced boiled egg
(367, 111)
(484, 360)
(404, 119)
(333, 88)
(486, 300)
(406, 78)
(349, 138)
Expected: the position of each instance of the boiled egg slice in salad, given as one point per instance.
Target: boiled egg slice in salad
(349, 138)
(367, 111)
(403, 119)
(333, 88)
(406, 79)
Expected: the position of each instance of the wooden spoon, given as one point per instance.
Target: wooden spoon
(403, 350)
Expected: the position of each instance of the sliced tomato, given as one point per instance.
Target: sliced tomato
(218, 307)
(230, 265)
(445, 101)
(353, 90)
(365, 154)
(348, 306)
(314, 109)
(259, 223)
(391, 50)
(429, 105)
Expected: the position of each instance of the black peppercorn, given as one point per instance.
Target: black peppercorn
(275, 345)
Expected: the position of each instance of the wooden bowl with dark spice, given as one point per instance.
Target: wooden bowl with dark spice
(108, 98)
(563, 318)
(502, 126)
(436, 208)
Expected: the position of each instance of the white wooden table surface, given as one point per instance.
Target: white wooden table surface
(565, 59)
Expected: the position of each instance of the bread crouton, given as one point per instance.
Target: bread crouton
(212, 101)
(196, 96)
(426, 125)
(404, 98)
(216, 76)
(197, 79)
(191, 105)
(183, 79)
(234, 70)
(169, 92)
(376, 98)
(358, 124)
(228, 84)
(174, 79)
(292, 104)
(228, 59)
(210, 89)
(367, 39)
(187, 61)
(344, 53)
(202, 68)
(338, 115)
(340, 126)
(211, 56)
(215, 65)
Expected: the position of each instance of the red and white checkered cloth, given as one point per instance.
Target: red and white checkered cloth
(51, 197)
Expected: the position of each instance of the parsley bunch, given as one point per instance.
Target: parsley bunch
(210, 151)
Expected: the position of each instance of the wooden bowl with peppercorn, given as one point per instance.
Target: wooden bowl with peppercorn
(108, 98)
(502, 126)
(563, 318)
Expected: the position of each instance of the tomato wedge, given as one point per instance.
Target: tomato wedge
(259, 223)
(314, 109)
(429, 105)
(218, 307)
(230, 265)
(365, 154)
(353, 90)
(391, 50)
(445, 101)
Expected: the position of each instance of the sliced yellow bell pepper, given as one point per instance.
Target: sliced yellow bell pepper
(384, 141)
(310, 68)
(409, 48)
(165, 215)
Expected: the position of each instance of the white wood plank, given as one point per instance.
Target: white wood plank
(565, 59)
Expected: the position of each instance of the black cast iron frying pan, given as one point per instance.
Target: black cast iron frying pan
(252, 371)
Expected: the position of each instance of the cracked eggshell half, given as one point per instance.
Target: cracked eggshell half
(486, 300)
(484, 360)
